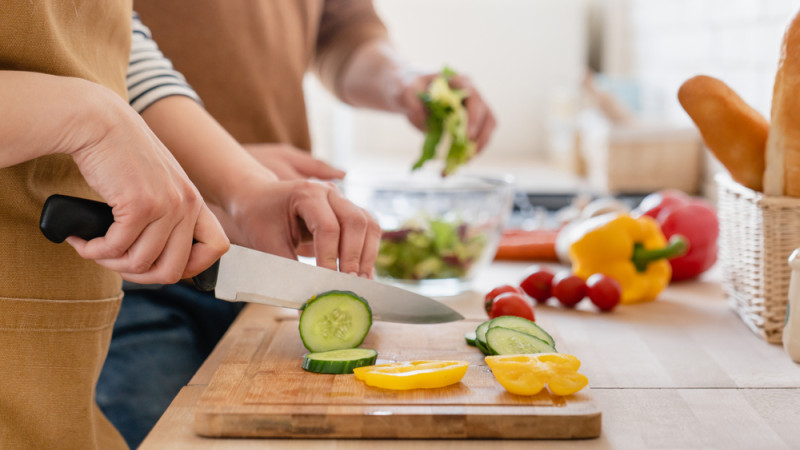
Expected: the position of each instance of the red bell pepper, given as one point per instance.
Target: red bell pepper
(695, 219)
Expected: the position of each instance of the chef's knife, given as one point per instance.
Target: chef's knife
(248, 275)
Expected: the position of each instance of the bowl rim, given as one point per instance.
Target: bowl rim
(409, 183)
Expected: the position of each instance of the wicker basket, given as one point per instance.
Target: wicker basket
(757, 235)
(641, 159)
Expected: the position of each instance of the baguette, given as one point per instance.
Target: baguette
(734, 132)
(782, 175)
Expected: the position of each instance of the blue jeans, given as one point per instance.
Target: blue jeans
(160, 339)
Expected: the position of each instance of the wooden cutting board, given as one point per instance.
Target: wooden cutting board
(260, 390)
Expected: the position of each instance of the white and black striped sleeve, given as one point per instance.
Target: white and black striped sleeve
(151, 76)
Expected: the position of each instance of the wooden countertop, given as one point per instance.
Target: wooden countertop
(682, 372)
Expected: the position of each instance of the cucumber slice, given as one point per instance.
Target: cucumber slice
(470, 338)
(505, 341)
(483, 348)
(523, 325)
(339, 361)
(480, 338)
(480, 332)
(334, 320)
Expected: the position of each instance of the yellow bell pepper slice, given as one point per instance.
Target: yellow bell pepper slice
(528, 374)
(412, 374)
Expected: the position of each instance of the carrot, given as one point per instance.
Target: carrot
(522, 245)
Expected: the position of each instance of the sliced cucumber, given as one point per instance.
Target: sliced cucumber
(339, 361)
(470, 337)
(505, 341)
(334, 320)
(480, 332)
(480, 338)
(483, 348)
(523, 325)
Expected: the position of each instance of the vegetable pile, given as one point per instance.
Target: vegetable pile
(669, 236)
(447, 118)
(632, 250)
(693, 218)
(334, 323)
(523, 357)
(433, 249)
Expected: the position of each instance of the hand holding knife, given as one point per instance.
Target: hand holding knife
(248, 275)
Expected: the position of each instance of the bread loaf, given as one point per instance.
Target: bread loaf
(782, 176)
(734, 132)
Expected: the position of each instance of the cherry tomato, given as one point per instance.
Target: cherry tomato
(604, 291)
(491, 295)
(538, 285)
(569, 289)
(511, 304)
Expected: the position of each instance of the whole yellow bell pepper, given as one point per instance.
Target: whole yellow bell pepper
(528, 374)
(632, 251)
(412, 374)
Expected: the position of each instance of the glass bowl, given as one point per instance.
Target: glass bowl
(437, 232)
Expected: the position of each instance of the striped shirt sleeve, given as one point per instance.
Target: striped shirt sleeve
(151, 76)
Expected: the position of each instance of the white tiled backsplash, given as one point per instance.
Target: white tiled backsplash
(737, 41)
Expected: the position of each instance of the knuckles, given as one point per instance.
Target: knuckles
(373, 228)
(172, 277)
(327, 229)
(140, 265)
(358, 221)
(114, 251)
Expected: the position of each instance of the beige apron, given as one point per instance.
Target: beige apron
(56, 309)
(269, 45)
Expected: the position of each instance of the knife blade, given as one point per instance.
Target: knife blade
(248, 275)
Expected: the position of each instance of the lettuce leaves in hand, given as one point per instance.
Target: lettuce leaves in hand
(447, 119)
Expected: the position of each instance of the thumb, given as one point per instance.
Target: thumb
(211, 243)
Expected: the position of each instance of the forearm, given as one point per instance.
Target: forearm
(213, 159)
(46, 114)
(157, 211)
(375, 76)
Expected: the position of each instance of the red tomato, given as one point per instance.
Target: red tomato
(511, 304)
(538, 284)
(604, 291)
(491, 295)
(569, 289)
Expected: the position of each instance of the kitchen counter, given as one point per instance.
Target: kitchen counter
(682, 372)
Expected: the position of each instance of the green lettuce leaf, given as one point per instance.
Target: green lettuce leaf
(447, 119)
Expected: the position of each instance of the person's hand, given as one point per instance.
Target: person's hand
(481, 121)
(157, 210)
(290, 163)
(280, 216)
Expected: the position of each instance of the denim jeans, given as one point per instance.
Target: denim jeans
(160, 339)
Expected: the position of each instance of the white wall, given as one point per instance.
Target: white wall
(666, 42)
(737, 41)
(518, 52)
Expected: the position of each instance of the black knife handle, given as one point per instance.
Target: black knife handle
(64, 216)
